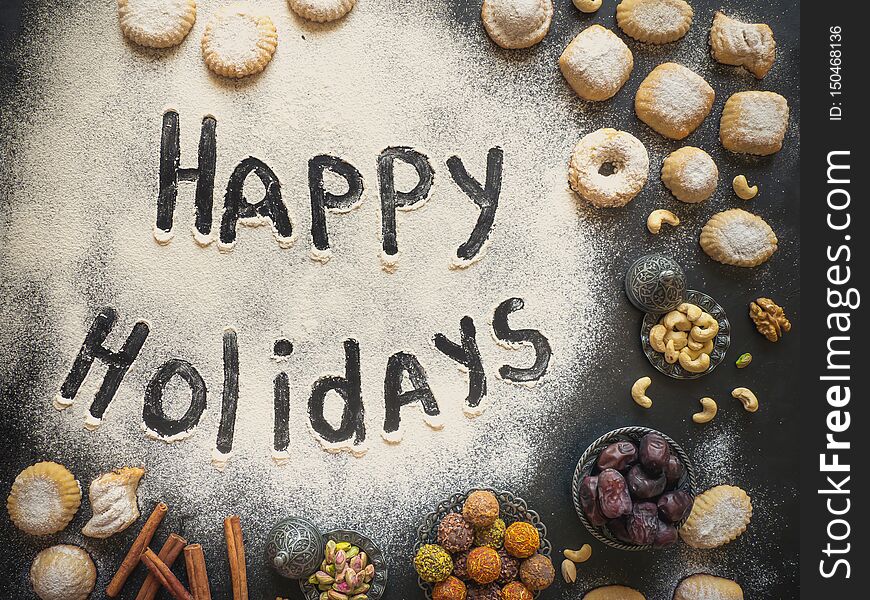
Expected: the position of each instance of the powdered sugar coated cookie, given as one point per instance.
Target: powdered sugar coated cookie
(238, 42)
(321, 11)
(156, 23)
(596, 64)
(517, 23)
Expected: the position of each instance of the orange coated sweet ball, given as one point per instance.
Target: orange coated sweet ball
(521, 539)
(481, 508)
(516, 591)
(449, 589)
(483, 565)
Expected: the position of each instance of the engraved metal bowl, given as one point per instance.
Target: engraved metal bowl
(376, 558)
(720, 343)
(294, 547)
(512, 509)
(587, 463)
(655, 283)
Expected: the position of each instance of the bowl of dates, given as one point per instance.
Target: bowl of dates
(634, 488)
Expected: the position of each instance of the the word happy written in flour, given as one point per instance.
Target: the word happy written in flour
(402, 368)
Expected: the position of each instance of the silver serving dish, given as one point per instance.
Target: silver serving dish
(512, 509)
(720, 343)
(376, 557)
(587, 463)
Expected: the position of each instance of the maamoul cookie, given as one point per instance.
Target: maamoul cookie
(63, 572)
(608, 167)
(736, 237)
(44, 498)
(754, 122)
(517, 23)
(156, 23)
(654, 21)
(749, 45)
(673, 100)
(718, 516)
(614, 592)
(707, 587)
(321, 11)
(690, 174)
(238, 42)
(113, 500)
(596, 63)
(587, 6)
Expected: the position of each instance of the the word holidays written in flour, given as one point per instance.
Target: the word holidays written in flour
(271, 209)
(349, 433)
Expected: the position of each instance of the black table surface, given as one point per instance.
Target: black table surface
(765, 560)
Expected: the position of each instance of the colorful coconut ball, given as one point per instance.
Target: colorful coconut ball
(537, 572)
(516, 591)
(455, 534)
(521, 539)
(433, 563)
(483, 565)
(510, 567)
(481, 508)
(492, 536)
(484, 592)
(449, 589)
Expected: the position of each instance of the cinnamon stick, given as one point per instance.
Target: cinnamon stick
(197, 576)
(168, 553)
(135, 552)
(165, 576)
(236, 556)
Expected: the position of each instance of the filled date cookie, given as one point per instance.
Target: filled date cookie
(516, 24)
(673, 100)
(596, 64)
(654, 21)
(749, 45)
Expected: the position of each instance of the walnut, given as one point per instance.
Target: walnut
(769, 319)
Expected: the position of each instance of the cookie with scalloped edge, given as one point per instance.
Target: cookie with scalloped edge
(44, 498)
(238, 42)
(749, 45)
(654, 21)
(156, 23)
(514, 24)
(739, 238)
(719, 515)
(321, 11)
(706, 587)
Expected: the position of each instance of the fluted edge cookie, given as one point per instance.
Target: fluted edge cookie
(754, 122)
(608, 148)
(690, 174)
(739, 238)
(156, 23)
(596, 64)
(654, 21)
(704, 587)
(719, 515)
(63, 572)
(749, 45)
(321, 11)
(515, 24)
(614, 592)
(673, 100)
(44, 498)
(238, 42)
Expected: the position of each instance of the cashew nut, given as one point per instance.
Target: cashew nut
(708, 411)
(680, 339)
(693, 311)
(696, 354)
(694, 345)
(676, 320)
(706, 328)
(657, 217)
(742, 189)
(579, 556)
(693, 365)
(638, 394)
(569, 571)
(657, 337)
(672, 355)
(745, 395)
(587, 6)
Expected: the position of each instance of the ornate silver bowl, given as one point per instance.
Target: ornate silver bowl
(720, 343)
(294, 547)
(376, 557)
(587, 463)
(512, 509)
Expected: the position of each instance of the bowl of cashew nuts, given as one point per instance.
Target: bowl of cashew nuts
(689, 341)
